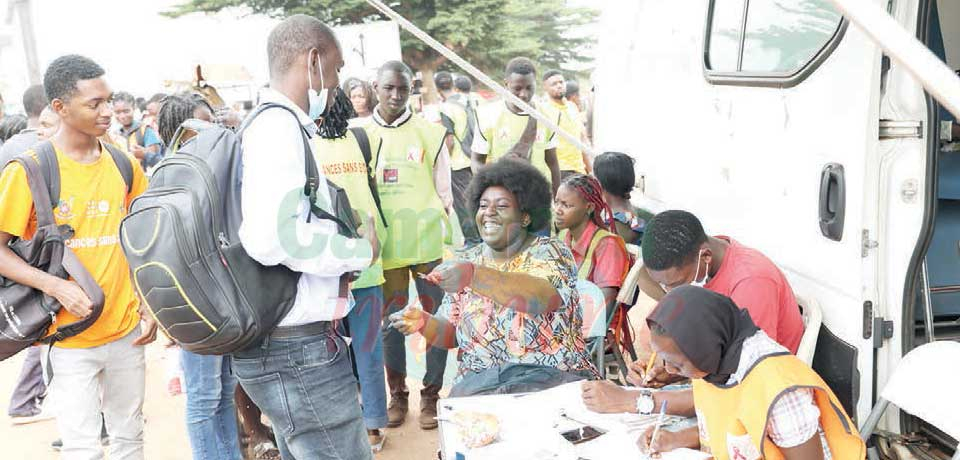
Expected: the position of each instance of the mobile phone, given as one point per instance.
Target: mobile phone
(582, 434)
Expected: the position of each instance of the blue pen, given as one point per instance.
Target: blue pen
(656, 428)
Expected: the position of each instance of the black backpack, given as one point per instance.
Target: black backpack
(27, 313)
(182, 243)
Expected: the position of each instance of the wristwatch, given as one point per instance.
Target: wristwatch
(645, 403)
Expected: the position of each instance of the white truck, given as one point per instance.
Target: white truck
(783, 125)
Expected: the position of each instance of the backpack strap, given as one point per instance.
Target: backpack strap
(50, 171)
(363, 141)
(123, 164)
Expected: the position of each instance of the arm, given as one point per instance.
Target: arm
(68, 293)
(479, 149)
(550, 157)
(439, 332)
(441, 177)
(274, 228)
(518, 291)
(605, 397)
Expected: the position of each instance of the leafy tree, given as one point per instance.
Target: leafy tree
(487, 33)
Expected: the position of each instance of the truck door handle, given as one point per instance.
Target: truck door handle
(833, 201)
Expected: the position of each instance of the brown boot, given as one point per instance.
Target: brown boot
(428, 407)
(399, 399)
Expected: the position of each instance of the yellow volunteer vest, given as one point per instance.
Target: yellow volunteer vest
(734, 419)
(414, 212)
(502, 128)
(569, 156)
(341, 162)
(458, 114)
(584, 271)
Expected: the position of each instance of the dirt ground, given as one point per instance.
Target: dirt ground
(166, 435)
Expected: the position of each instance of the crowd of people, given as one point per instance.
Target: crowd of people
(538, 216)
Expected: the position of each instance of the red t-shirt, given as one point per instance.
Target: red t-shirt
(610, 259)
(758, 286)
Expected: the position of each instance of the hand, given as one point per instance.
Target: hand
(604, 397)
(665, 442)
(409, 320)
(71, 297)
(368, 231)
(148, 327)
(452, 277)
(658, 377)
(137, 151)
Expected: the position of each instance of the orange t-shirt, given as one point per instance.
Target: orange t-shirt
(93, 200)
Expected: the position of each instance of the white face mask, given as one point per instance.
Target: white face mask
(706, 276)
(318, 101)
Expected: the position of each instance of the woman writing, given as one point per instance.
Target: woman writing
(752, 398)
(511, 306)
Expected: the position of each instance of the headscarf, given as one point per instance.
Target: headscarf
(707, 327)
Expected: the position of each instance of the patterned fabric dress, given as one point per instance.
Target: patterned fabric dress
(490, 334)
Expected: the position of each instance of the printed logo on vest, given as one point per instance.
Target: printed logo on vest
(741, 448)
(391, 176)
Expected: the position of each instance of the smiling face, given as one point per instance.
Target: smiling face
(87, 109)
(675, 361)
(499, 218)
(570, 209)
(123, 111)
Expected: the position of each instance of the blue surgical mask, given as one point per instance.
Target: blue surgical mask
(318, 101)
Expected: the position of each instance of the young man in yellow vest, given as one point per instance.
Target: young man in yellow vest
(504, 129)
(413, 178)
(348, 157)
(134, 136)
(455, 116)
(753, 399)
(572, 160)
(100, 370)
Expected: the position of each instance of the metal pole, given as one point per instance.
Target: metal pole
(469, 68)
(901, 46)
(29, 40)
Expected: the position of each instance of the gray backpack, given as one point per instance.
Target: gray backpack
(181, 241)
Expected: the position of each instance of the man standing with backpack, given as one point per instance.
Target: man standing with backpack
(101, 369)
(459, 118)
(300, 375)
(134, 136)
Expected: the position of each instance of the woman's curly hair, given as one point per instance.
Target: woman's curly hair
(525, 182)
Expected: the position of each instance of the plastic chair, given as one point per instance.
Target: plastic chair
(595, 319)
(812, 319)
(924, 385)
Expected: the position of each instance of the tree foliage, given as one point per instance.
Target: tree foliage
(487, 33)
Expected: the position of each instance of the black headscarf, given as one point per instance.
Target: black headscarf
(707, 327)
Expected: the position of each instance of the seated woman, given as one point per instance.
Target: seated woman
(511, 306)
(601, 255)
(615, 172)
(752, 398)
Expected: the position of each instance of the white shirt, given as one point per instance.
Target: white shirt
(274, 229)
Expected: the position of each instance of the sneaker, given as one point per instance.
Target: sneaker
(377, 438)
(39, 416)
(397, 410)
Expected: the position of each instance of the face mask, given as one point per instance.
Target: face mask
(706, 277)
(335, 123)
(318, 101)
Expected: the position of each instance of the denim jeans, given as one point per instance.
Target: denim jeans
(306, 387)
(211, 413)
(364, 323)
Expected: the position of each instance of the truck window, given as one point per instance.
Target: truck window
(768, 42)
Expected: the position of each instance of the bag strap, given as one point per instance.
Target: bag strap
(363, 141)
(50, 173)
(67, 258)
(123, 164)
(524, 146)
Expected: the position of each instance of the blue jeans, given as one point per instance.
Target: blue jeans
(211, 413)
(364, 321)
(306, 387)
